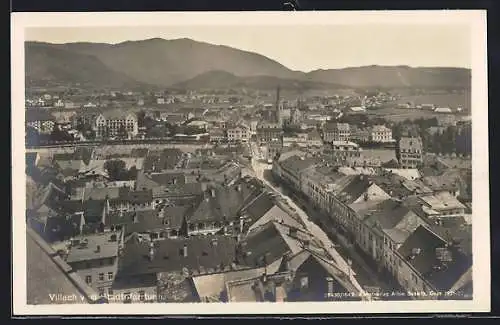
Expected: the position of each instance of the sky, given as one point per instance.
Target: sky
(303, 48)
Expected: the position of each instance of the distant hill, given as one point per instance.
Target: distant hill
(192, 64)
(224, 80)
(166, 62)
(394, 77)
(49, 65)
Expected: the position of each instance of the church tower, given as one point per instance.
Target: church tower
(279, 108)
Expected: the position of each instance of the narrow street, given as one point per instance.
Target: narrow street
(259, 170)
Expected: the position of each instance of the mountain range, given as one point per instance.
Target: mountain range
(189, 64)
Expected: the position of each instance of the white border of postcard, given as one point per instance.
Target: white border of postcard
(481, 245)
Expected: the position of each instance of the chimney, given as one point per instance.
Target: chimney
(306, 244)
(329, 282)
(238, 187)
(242, 223)
(212, 192)
(264, 277)
(136, 218)
(292, 231)
(175, 180)
(185, 250)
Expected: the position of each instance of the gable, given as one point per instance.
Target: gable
(373, 193)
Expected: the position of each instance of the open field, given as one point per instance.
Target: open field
(442, 100)
(398, 114)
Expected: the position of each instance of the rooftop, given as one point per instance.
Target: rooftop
(442, 201)
(414, 143)
(296, 164)
(337, 126)
(440, 264)
(115, 114)
(224, 202)
(91, 247)
(208, 253)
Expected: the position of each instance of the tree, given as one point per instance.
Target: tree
(132, 172)
(60, 135)
(116, 169)
(140, 118)
(122, 132)
(32, 136)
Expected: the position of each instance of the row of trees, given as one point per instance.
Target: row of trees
(450, 139)
(117, 170)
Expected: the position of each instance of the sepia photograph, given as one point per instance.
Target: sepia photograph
(180, 163)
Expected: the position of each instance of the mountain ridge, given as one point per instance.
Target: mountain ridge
(164, 63)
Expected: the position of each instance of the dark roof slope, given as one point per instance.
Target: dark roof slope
(207, 252)
(357, 186)
(422, 250)
(262, 246)
(259, 206)
(225, 202)
(387, 214)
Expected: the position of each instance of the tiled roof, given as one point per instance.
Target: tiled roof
(357, 186)
(259, 206)
(262, 246)
(422, 251)
(206, 252)
(276, 214)
(442, 201)
(296, 164)
(98, 246)
(189, 189)
(212, 285)
(226, 202)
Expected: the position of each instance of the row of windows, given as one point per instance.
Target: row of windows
(88, 278)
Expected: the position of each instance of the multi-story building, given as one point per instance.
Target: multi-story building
(268, 132)
(360, 135)
(40, 120)
(342, 150)
(95, 259)
(113, 123)
(337, 132)
(381, 133)
(410, 152)
(238, 133)
(428, 264)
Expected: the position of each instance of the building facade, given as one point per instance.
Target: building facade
(112, 124)
(410, 152)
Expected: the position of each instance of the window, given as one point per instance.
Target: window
(142, 295)
(101, 292)
(101, 276)
(304, 282)
(110, 275)
(88, 279)
(110, 291)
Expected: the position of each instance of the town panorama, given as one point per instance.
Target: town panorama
(224, 187)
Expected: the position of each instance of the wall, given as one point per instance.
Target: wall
(93, 268)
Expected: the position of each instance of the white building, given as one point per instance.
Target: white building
(381, 133)
(111, 123)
